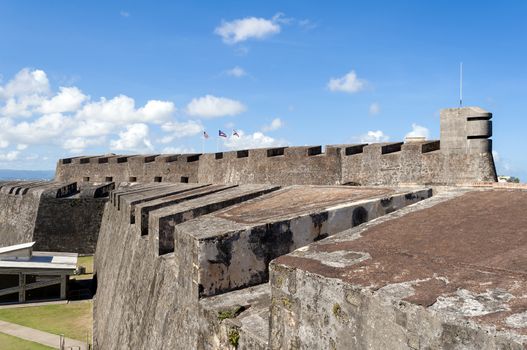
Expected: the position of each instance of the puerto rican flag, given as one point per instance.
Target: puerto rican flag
(205, 135)
(235, 133)
(222, 134)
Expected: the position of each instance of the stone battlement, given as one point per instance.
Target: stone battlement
(463, 155)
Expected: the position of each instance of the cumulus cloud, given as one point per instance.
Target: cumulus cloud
(276, 124)
(69, 99)
(254, 140)
(212, 107)
(375, 108)
(9, 156)
(26, 82)
(178, 130)
(49, 116)
(178, 150)
(236, 72)
(134, 138)
(418, 131)
(348, 83)
(373, 137)
(243, 29)
(77, 145)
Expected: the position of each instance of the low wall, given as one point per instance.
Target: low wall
(357, 164)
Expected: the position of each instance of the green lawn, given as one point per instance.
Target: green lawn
(87, 262)
(8, 342)
(74, 320)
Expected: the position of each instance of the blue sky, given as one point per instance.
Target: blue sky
(96, 77)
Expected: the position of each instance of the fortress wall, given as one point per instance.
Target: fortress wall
(281, 166)
(68, 224)
(17, 212)
(58, 216)
(132, 168)
(463, 156)
(418, 278)
(394, 164)
(127, 264)
(148, 298)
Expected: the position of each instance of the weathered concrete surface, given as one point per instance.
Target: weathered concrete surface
(442, 274)
(236, 320)
(149, 298)
(235, 246)
(143, 300)
(58, 216)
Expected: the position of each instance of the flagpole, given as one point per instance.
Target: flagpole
(202, 144)
(461, 84)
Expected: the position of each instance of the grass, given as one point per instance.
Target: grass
(74, 320)
(87, 262)
(8, 342)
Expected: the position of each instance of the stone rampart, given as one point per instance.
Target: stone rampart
(157, 271)
(59, 216)
(463, 155)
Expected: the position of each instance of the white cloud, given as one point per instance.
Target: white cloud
(243, 29)
(375, 108)
(254, 140)
(79, 144)
(69, 99)
(134, 138)
(212, 107)
(275, 125)
(21, 147)
(373, 137)
(178, 150)
(124, 13)
(121, 110)
(418, 131)
(9, 156)
(237, 72)
(181, 129)
(26, 82)
(348, 83)
(4, 143)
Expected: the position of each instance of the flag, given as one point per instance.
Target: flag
(234, 133)
(205, 135)
(222, 134)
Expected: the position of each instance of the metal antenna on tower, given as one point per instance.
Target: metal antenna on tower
(461, 84)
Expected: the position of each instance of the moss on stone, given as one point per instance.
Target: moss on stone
(234, 337)
(337, 310)
(230, 313)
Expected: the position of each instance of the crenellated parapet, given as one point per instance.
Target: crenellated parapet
(462, 155)
(59, 216)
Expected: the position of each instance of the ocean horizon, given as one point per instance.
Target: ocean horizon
(12, 174)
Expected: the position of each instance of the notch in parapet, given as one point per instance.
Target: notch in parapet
(167, 158)
(208, 205)
(218, 155)
(275, 152)
(67, 160)
(314, 151)
(193, 158)
(242, 153)
(391, 147)
(354, 149)
(430, 146)
(98, 191)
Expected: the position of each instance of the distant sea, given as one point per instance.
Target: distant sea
(6, 174)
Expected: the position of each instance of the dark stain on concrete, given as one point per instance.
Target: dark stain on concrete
(359, 216)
